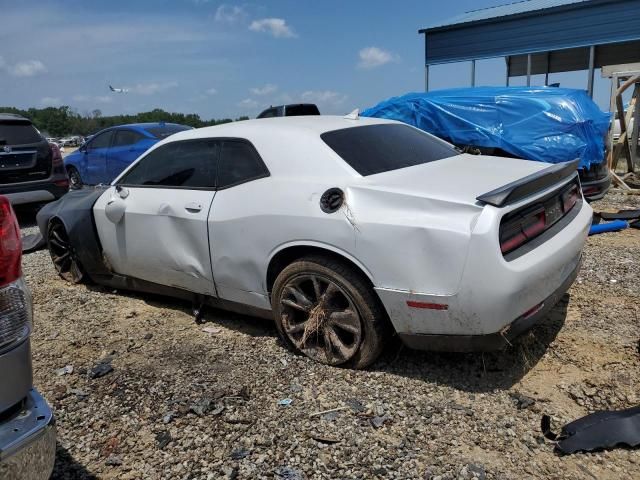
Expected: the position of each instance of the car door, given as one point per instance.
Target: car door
(235, 248)
(95, 154)
(152, 223)
(127, 145)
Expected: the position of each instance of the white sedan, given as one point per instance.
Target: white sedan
(344, 230)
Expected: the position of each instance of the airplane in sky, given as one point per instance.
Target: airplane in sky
(118, 90)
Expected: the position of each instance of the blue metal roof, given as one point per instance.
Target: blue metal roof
(515, 8)
(531, 27)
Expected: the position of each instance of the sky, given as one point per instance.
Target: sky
(224, 59)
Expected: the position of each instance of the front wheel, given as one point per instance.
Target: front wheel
(328, 311)
(63, 254)
(74, 178)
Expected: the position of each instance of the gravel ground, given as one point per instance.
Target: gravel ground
(191, 401)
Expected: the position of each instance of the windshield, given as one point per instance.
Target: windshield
(163, 131)
(381, 148)
(18, 133)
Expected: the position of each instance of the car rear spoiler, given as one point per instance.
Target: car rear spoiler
(514, 191)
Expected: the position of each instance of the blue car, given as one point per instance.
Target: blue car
(102, 158)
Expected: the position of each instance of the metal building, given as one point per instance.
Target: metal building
(540, 37)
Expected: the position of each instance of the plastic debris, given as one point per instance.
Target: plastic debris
(100, 370)
(614, 226)
(597, 431)
(66, 370)
(620, 215)
(285, 402)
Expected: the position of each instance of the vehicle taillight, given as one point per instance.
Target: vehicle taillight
(56, 156)
(521, 229)
(569, 198)
(56, 159)
(10, 244)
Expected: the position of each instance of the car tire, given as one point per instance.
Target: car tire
(75, 180)
(63, 255)
(327, 310)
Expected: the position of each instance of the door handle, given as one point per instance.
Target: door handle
(193, 207)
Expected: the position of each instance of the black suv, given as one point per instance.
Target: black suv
(31, 169)
(292, 110)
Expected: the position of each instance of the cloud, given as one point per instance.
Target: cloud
(230, 13)
(211, 91)
(248, 104)
(275, 26)
(266, 90)
(2, 63)
(151, 88)
(28, 68)
(51, 101)
(90, 99)
(326, 97)
(372, 57)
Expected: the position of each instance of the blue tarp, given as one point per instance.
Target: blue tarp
(546, 124)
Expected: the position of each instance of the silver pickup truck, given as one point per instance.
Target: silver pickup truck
(27, 425)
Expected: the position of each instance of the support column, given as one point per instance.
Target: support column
(592, 62)
(473, 73)
(528, 70)
(426, 78)
(507, 60)
(546, 72)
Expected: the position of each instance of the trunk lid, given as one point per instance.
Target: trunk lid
(458, 179)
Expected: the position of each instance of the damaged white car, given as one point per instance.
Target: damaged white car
(344, 230)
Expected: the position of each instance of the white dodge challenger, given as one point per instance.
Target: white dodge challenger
(344, 230)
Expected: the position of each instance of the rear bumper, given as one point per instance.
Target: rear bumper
(34, 192)
(492, 341)
(28, 441)
(496, 294)
(596, 189)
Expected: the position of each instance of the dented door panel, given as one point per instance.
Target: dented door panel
(246, 234)
(162, 236)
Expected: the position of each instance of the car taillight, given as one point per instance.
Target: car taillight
(10, 244)
(56, 156)
(521, 229)
(569, 198)
(56, 159)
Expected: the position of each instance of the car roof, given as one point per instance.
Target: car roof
(138, 126)
(290, 146)
(312, 124)
(12, 116)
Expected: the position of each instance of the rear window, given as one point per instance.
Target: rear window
(163, 131)
(298, 110)
(18, 133)
(381, 148)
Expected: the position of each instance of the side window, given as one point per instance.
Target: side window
(101, 141)
(272, 112)
(239, 162)
(187, 164)
(125, 138)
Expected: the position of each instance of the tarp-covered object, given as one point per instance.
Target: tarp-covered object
(546, 124)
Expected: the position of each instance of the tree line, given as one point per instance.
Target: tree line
(59, 121)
